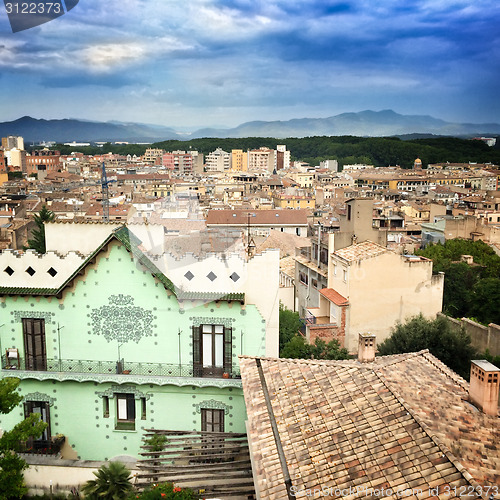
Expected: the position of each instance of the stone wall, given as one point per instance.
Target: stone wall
(483, 337)
(62, 474)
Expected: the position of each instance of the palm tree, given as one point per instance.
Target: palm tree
(112, 482)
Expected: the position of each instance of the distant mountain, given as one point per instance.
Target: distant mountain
(68, 130)
(364, 123)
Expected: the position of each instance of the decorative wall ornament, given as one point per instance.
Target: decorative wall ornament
(121, 320)
(206, 320)
(121, 389)
(46, 315)
(39, 396)
(212, 404)
(220, 383)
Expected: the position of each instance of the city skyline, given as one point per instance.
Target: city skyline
(225, 62)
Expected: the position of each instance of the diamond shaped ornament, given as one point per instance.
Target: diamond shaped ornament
(24, 15)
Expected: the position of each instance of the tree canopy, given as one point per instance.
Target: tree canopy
(469, 290)
(378, 151)
(294, 345)
(37, 241)
(453, 347)
(289, 325)
(11, 464)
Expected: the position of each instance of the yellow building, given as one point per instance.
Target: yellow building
(239, 160)
(293, 201)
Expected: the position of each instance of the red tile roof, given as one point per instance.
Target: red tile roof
(334, 296)
(262, 217)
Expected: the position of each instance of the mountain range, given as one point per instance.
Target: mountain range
(364, 123)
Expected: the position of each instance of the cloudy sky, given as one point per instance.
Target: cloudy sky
(193, 63)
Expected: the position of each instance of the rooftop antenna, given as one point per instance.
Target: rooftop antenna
(105, 194)
(250, 241)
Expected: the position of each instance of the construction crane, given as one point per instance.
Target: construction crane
(105, 194)
(68, 186)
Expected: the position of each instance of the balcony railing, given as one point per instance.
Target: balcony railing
(41, 446)
(124, 368)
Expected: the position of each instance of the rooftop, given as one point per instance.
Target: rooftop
(365, 250)
(401, 422)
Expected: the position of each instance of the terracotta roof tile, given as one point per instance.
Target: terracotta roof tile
(399, 422)
(334, 296)
(365, 250)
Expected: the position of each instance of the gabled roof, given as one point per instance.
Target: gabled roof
(399, 423)
(121, 234)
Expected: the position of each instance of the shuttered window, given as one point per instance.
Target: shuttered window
(34, 344)
(212, 350)
(212, 420)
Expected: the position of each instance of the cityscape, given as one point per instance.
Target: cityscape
(250, 250)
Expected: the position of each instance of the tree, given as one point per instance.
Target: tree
(38, 234)
(112, 482)
(11, 464)
(452, 347)
(298, 348)
(469, 290)
(289, 325)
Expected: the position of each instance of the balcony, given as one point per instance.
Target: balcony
(121, 372)
(41, 446)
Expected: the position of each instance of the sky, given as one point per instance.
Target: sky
(197, 63)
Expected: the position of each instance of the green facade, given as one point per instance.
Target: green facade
(118, 315)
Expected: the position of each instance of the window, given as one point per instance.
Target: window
(125, 412)
(105, 406)
(143, 408)
(345, 275)
(39, 408)
(212, 420)
(303, 278)
(314, 283)
(212, 350)
(323, 256)
(34, 344)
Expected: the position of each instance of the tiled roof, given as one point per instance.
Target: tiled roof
(334, 296)
(360, 251)
(399, 423)
(267, 217)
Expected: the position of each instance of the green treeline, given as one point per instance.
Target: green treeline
(378, 151)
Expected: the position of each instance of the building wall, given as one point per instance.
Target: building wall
(118, 310)
(386, 289)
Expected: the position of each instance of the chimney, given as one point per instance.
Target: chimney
(366, 347)
(484, 385)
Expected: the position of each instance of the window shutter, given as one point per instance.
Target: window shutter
(27, 409)
(197, 368)
(228, 350)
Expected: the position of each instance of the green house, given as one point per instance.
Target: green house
(106, 344)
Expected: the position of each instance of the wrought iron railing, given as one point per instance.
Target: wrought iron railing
(125, 368)
(41, 446)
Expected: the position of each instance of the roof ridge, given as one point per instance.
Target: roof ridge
(445, 370)
(429, 432)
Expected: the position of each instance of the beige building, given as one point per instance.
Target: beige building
(370, 288)
(218, 161)
(261, 159)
